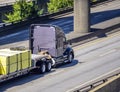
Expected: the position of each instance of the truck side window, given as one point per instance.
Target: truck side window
(60, 42)
(60, 38)
(64, 40)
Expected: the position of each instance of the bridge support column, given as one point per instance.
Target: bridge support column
(81, 16)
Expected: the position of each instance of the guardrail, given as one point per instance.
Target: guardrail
(87, 37)
(90, 87)
(97, 82)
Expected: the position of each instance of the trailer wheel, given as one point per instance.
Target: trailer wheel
(48, 66)
(42, 68)
(70, 58)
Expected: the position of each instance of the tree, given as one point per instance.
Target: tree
(22, 10)
(15, 15)
(56, 5)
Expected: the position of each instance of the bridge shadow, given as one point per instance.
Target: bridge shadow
(65, 23)
(98, 17)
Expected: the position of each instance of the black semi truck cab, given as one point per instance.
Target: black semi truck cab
(50, 38)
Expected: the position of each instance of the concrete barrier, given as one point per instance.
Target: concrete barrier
(112, 85)
(77, 37)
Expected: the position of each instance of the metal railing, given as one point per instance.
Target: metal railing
(97, 82)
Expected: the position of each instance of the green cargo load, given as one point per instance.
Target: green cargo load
(12, 61)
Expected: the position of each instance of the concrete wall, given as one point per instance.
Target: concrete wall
(113, 85)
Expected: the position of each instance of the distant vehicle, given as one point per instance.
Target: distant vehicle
(48, 46)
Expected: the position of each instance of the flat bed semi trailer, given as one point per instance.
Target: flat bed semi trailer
(47, 48)
(40, 63)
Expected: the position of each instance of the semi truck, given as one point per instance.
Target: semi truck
(47, 48)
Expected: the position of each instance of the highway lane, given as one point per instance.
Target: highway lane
(101, 17)
(92, 60)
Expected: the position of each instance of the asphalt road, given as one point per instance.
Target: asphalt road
(93, 60)
(102, 16)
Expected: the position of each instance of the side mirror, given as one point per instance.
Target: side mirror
(68, 43)
(65, 43)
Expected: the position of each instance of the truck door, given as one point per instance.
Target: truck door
(59, 46)
(60, 38)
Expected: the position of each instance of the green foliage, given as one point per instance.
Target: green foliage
(56, 5)
(22, 10)
(40, 12)
(93, 1)
(25, 8)
(12, 17)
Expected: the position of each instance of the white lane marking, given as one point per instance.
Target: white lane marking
(77, 87)
(109, 52)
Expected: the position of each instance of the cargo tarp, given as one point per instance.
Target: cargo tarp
(12, 61)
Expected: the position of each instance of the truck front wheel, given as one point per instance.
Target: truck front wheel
(48, 66)
(70, 58)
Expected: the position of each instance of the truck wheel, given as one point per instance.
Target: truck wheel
(42, 68)
(70, 58)
(48, 66)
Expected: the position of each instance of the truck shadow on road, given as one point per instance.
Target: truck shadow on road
(65, 65)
